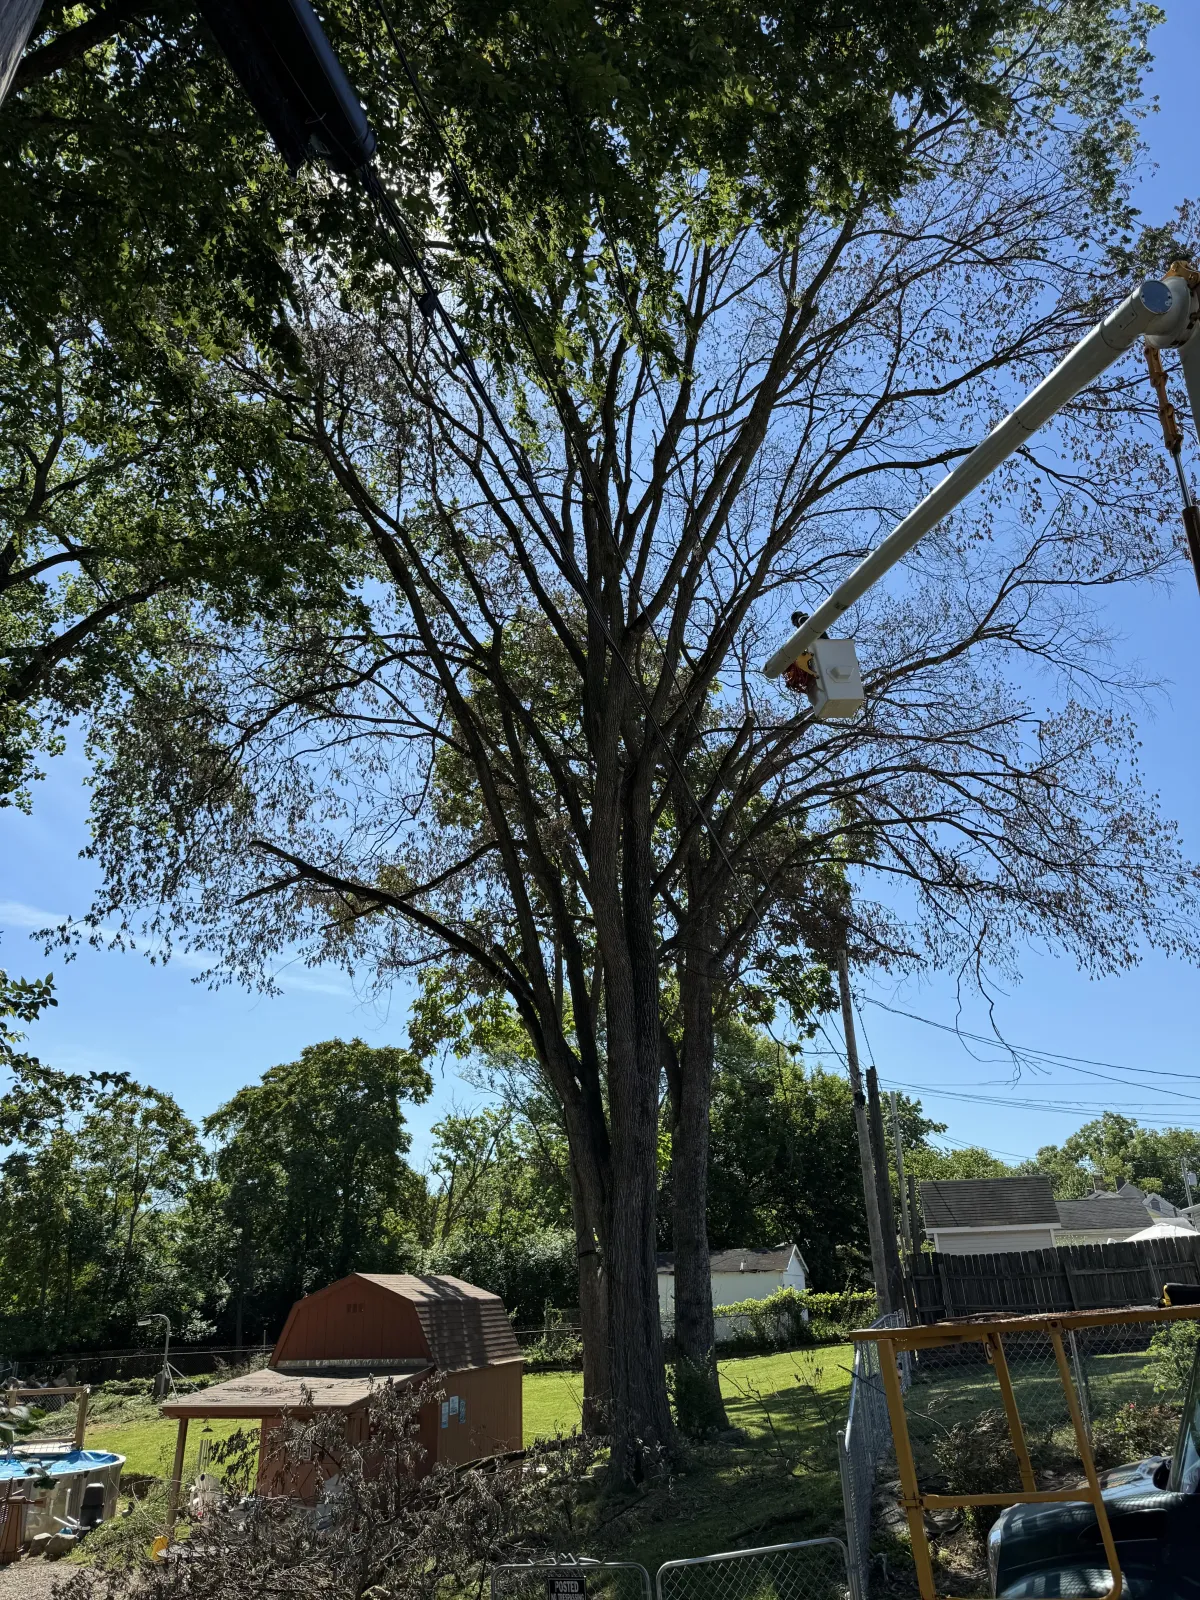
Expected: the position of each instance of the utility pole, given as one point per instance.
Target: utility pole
(901, 1183)
(883, 1188)
(1189, 1179)
(879, 1269)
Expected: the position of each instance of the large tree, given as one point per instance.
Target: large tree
(538, 747)
(312, 1163)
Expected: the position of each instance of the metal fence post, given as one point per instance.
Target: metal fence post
(1081, 1386)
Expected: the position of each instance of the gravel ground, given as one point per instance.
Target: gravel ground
(32, 1580)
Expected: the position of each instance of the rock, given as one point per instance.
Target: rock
(60, 1544)
(37, 1545)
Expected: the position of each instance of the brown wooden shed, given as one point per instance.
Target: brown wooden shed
(392, 1323)
(373, 1326)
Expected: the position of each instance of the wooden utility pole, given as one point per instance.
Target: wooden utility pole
(883, 1186)
(906, 1229)
(879, 1269)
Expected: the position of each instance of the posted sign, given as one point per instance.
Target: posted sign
(562, 1587)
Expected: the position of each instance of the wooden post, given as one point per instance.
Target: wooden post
(906, 1227)
(176, 1477)
(883, 1187)
(870, 1192)
(81, 1411)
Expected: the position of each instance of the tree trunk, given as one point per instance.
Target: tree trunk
(17, 21)
(641, 1415)
(593, 1317)
(698, 1405)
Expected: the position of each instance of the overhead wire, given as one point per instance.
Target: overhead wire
(1030, 1051)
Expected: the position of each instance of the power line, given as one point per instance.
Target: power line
(1028, 1051)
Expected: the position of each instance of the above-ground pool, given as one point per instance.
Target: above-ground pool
(70, 1471)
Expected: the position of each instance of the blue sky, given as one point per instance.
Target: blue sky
(116, 1010)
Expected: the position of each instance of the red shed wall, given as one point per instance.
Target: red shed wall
(494, 1419)
(300, 1480)
(352, 1319)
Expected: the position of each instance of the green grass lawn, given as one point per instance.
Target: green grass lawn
(148, 1444)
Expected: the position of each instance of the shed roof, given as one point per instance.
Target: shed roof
(988, 1202)
(740, 1260)
(1104, 1213)
(460, 1326)
(267, 1393)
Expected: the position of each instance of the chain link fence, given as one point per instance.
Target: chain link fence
(569, 1578)
(1129, 1378)
(812, 1569)
(864, 1446)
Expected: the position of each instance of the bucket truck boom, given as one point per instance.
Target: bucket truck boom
(1163, 311)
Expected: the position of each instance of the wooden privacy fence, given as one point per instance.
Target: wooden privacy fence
(1077, 1277)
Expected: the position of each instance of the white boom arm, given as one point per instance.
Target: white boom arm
(1162, 308)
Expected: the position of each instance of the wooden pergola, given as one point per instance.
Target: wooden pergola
(265, 1396)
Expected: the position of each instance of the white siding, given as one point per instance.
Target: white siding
(730, 1287)
(982, 1241)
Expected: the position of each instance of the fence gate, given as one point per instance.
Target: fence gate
(813, 1569)
(570, 1578)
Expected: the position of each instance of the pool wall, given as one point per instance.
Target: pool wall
(70, 1472)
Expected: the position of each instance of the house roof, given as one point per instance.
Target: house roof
(740, 1260)
(988, 1202)
(463, 1326)
(267, 1393)
(1104, 1213)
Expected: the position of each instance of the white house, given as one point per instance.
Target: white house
(736, 1275)
(987, 1216)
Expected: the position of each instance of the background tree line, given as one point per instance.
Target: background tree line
(113, 1203)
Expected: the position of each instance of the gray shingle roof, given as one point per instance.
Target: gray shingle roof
(738, 1260)
(1110, 1213)
(988, 1202)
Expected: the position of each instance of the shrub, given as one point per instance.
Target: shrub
(791, 1317)
(1133, 1432)
(559, 1349)
(977, 1457)
(1172, 1352)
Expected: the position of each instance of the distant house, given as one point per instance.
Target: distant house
(985, 1216)
(736, 1275)
(1118, 1216)
(1102, 1218)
